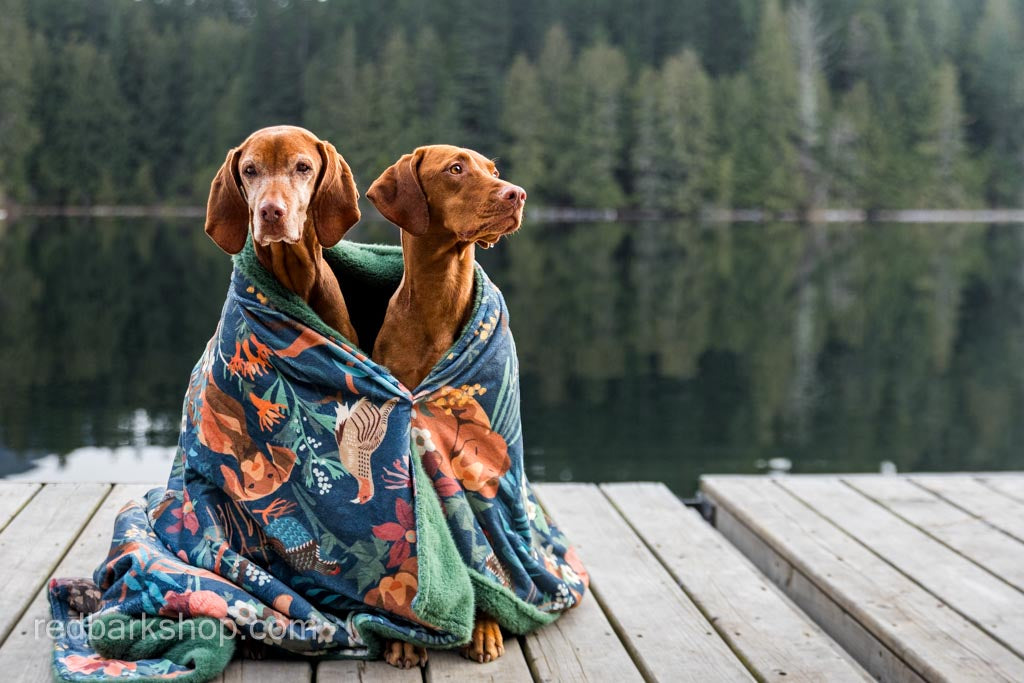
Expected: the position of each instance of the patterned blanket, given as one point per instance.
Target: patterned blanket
(318, 506)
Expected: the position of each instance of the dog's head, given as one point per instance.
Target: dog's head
(281, 181)
(441, 187)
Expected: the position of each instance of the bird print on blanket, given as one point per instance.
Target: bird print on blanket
(298, 547)
(359, 431)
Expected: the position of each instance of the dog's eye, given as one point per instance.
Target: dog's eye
(303, 167)
(494, 173)
(249, 171)
(455, 169)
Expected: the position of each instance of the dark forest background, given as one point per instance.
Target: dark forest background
(661, 104)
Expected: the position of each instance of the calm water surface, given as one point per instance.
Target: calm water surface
(653, 351)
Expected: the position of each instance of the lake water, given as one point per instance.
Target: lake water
(654, 351)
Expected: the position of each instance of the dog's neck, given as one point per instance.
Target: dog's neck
(437, 286)
(297, 266)
(301, 268)
(429, 307)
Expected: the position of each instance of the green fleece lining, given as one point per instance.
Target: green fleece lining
(512, 612)
(373, 269)
(368, 275)
(207, 657)
(444, 595)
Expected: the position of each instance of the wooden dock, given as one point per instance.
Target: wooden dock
(919, 578)
(902, 579)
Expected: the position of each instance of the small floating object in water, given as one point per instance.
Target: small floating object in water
(775, 465)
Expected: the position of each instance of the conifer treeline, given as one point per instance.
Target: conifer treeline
(663, 104)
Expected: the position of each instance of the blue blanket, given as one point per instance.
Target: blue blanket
(319, 506)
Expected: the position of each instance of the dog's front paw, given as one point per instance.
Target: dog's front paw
(404, 655)
(487, 644)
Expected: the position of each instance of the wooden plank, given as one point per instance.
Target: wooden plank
(771, 635)
(353, 671)
(977, 499)
(13, 497)
(579, 646)
(275, 671)
(936, 642)
(881, 662)
(232, 674)
(36, 540)
(666, 635)
(990, 548)
(449, 665)
(1011, 486)
(994, 606)
(29, 649)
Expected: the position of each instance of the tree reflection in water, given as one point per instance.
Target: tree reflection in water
(648, 350)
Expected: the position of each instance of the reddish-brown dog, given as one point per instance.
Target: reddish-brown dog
(298, 195)
(446, 200)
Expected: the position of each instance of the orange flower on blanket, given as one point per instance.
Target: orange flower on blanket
(467, 448)
(93, 663)
(250, 358)
(395, 593)
(268, 412)
(573, 560)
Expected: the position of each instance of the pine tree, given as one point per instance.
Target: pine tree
(399, 127)
(211, 115)
(942, 148)
(767, 162)
(436, 108)
(561, 96)
(993, 71)
(649, 184)
(686, 109)
(82, 117)
(524, 121)
(601, 73)
(911, 101)
(332, 90)
(672, 164)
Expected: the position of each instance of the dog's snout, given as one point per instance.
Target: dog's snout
(272, 211)
(514, 194)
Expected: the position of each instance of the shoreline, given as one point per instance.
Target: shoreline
(574, 215)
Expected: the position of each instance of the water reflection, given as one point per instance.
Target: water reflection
(649, 351)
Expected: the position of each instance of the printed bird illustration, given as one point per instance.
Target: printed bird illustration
(298, 547)
(359, 431)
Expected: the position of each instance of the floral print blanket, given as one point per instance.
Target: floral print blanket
(319, 507)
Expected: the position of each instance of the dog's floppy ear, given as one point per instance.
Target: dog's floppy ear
(227, 213)
(399, 197)
(335, 205)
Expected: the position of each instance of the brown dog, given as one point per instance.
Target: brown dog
(298, 195)
(446, 200)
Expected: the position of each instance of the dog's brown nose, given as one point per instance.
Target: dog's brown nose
(271, 212)
(514, 193)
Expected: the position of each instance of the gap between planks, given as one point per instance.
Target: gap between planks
(664, 632)
(986, 601)
(933, 639)
(767, 631)
(990, 548)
